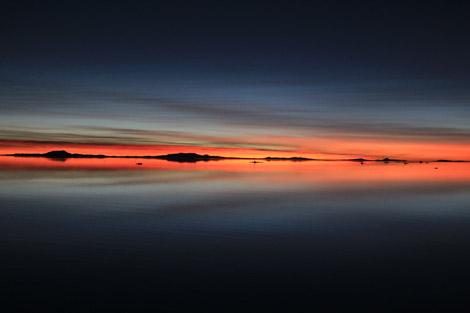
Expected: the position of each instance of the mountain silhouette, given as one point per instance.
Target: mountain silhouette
(62, 155)
(188, 157)
(176, 157)
(295, 159)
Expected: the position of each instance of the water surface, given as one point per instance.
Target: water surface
(92, 235)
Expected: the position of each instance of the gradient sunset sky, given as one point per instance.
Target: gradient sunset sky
(326, 79)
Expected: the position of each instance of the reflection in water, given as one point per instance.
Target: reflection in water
(88, 235)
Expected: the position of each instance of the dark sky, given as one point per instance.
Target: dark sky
(302, 70)
(422, 40)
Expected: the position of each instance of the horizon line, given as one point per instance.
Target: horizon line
(194, 157)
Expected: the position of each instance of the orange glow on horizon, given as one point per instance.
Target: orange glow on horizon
(317, 149)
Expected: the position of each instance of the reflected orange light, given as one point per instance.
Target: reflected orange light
(269, 171)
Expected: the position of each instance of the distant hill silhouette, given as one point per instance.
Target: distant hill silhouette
(58, 154)
(385, 160)
(62, 155)
(390, 160)
(295, 159)
(188, 157)
(176, 157)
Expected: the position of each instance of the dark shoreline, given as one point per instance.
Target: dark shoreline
(194, 157)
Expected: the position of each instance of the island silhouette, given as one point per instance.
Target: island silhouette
(175, 157)
(62, 155)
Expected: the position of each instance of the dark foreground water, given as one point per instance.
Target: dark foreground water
(230, 236)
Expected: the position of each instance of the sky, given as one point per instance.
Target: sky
(322, 79)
